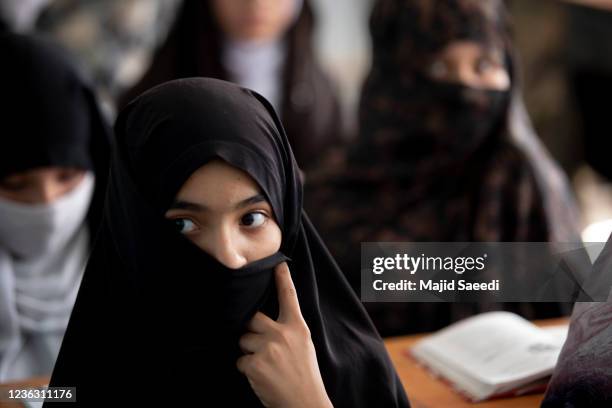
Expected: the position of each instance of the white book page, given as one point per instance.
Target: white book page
(497, 348)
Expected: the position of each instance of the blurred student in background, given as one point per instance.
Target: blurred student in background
(112, 39)
(446, 151)
(263, 45)
(20, 16)
(53, 170)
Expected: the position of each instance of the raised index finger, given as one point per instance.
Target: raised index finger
(289, 307)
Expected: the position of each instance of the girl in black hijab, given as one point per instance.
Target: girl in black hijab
(246, 43)
(53, 169)
(446, 151)
(159, 317)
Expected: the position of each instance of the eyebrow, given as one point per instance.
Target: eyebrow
(196, 207)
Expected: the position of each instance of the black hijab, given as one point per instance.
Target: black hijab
(154, 310)
(51, 118)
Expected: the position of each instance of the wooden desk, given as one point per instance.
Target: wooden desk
(426, 391)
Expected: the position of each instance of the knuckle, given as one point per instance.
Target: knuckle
(256, 318)
(290, 292)
(305, 330)
(241, 364)
(273, 350)
(284, 336)
(242, 342)
(276, 329)
(256, 366)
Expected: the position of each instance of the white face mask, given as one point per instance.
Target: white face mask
(21, 15)
(33, 230)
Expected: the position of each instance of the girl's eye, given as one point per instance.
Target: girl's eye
(184, 225)
(483, 65)
(253, 219)
(67, 176)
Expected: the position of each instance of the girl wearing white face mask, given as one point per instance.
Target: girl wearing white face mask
(52, 177)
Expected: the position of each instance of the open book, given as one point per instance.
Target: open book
(492, 354)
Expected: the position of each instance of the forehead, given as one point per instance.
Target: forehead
(217, 184)
(467, 48)
(39, 172)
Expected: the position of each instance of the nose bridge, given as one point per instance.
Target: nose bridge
(466, 73)
(254, 4)
(225, 248)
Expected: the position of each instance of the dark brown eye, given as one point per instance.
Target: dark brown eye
(184, 225)
(68, 175)
(253, 219)
(483, 65)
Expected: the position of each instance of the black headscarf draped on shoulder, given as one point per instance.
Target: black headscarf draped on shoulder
(583, 374)
(51, 117)
(158, 318)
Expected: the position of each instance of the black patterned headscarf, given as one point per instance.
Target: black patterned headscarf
(416, 125)
(439, 161)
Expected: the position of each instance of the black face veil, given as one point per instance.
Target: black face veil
(156, 313)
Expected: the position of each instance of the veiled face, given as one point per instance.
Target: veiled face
(471, 64)
(222, 210)
(41, 185)
(254, 20)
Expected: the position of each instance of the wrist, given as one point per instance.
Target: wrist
(326, 403)
(322, 402)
